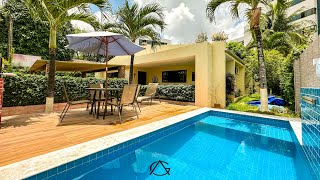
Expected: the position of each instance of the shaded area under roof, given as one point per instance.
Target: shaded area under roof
(74, 65)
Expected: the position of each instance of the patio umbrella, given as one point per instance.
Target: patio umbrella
(103, 43)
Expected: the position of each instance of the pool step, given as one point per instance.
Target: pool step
(276, 145)
(258, 129)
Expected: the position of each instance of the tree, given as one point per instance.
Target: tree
(202, 37)
(56, 14)
(275, 63)
(135, 22)
(30, 36)
(253, 14)
(238, 48)
(281, 31)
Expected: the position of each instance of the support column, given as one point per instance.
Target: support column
(121, 72)
(219, 74)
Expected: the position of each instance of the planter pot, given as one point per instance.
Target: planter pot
(217, 106)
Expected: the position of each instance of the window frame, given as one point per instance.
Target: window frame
(166, 76)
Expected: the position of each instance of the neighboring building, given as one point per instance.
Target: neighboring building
(146, 41)
(204, 64)
(311, 11)
(240, 40)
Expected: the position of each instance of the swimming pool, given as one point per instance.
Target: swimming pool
(212, 145)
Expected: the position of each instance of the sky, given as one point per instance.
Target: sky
(185, 19)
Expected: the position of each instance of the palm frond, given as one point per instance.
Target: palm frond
(134, 21)
(212, 6)
(150, 33)
(152, 9)
(56, 13)
(87, 18)
(152, 21)
(39, 11)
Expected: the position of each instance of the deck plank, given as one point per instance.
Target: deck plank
(26, 136)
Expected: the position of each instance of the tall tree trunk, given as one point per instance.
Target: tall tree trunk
(131, 70)
(262, 71)
(10, 37)
(52, 69)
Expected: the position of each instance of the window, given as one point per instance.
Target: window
(193, 76)
(294, 2)
(236, 70)
(174, 76)
(305, 14)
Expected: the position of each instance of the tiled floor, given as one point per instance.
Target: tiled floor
(26, 136)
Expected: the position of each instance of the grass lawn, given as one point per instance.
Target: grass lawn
(241, 105)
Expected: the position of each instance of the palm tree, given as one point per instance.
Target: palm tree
(278, 20)
(135, 22)
(280, 32)
(253, 14)
(56, 14)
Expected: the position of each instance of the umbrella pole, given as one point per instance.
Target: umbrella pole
(106, 41)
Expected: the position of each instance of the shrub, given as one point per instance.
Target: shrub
(238, 48)
(220, 36)
(26, 89)
(31, 89)
(177, 92)
(230, 84)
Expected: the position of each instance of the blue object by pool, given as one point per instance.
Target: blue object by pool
(271, 100)
(213, 145)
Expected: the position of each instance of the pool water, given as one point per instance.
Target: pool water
(212, 148)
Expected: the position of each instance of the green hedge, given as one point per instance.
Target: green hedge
(31, 89)
(177, 92)
(26, 89)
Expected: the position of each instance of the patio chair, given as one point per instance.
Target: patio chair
(137, 95)
(150, 94)
(92, 95)
(69, 103)
(128, 98)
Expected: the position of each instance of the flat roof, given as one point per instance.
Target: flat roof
(73, 65)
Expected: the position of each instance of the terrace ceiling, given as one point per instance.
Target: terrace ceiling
(74, 65)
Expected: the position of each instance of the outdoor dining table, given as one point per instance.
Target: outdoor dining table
(99, 90)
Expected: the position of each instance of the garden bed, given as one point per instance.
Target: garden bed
(242, 105)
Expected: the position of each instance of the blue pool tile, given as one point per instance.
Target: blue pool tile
(78, 162)
(85, 159)
(62, 168)
(310, 131)
(52, 178)
(52, 172)
(93, 156)
(62, 175)
(99, 154)
(70, 165)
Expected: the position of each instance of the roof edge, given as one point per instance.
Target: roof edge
(232, 54)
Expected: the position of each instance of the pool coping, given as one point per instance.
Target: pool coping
(38, 164)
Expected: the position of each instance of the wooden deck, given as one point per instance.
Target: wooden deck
(26, 136)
